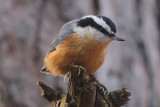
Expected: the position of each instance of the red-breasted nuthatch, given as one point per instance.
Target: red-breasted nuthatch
(82, 42)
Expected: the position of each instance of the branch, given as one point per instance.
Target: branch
(84, 92)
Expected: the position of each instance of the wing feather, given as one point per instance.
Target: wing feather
(65, 31)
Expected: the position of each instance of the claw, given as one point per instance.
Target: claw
(66, 77)
(83, 68)
(79, 70)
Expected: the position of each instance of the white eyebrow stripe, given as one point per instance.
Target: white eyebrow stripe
(99, 21)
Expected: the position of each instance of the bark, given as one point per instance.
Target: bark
(28, 27)
(83, 92)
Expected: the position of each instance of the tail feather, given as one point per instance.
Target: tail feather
(44, 70)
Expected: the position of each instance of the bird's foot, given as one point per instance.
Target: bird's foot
(80, 68)
(66, 77)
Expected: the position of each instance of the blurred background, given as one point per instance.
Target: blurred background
(27, 28)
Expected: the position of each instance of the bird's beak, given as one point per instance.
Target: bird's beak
(117, 38)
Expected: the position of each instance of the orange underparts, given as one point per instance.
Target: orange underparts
(87, 52)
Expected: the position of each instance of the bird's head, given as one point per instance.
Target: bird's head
(103, 27)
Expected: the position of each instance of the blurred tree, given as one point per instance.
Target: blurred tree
(27, 27)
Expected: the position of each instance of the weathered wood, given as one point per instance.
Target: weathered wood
(51, 95)
(82, 92)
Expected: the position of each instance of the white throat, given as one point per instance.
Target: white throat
(97, 35)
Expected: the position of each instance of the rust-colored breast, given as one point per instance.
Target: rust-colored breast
(86, 52)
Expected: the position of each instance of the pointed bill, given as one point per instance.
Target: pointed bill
(117, 38)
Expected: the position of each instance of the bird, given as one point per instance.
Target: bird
(82, 42)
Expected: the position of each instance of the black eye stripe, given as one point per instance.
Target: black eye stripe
(90, 22)
(109, 22)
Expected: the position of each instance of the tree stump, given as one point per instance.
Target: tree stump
(84, 92)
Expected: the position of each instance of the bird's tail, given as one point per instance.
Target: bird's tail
(44, 70)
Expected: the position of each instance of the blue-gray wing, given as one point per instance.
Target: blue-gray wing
(65, 31)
